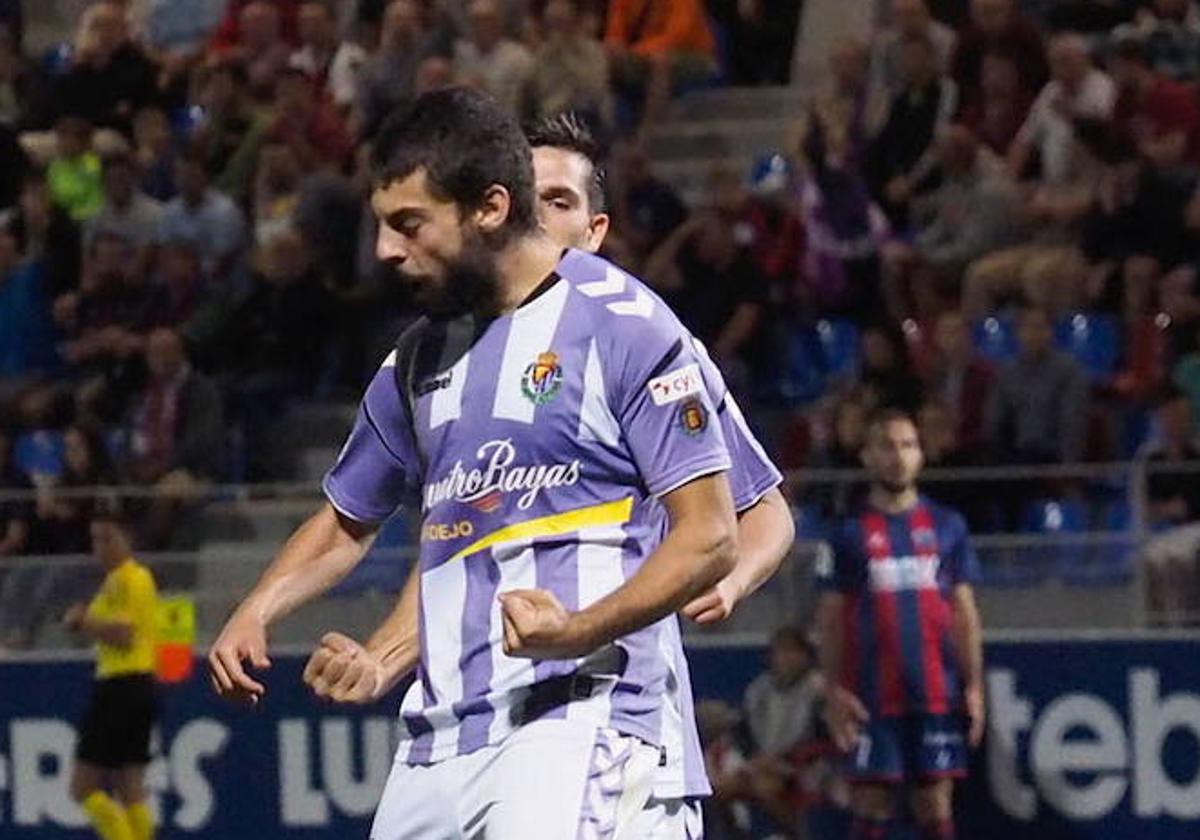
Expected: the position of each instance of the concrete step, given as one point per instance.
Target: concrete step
(739, 103)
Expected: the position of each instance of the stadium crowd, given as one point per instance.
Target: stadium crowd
(989, 217)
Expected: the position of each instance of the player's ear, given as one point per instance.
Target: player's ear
(597, 230)
(493, 210)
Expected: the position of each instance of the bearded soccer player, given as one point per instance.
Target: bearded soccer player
(901, 641)
(541, 412)
(570, 193)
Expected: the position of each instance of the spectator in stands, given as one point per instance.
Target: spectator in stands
(1170, 497)
(154, 149)
(205, 217)
(960, 380)
(846, 230)
(713, 284)
(27, 337)
(233, 130)
(774, 229)
(1170, 30)
(186, 295)
(726, 816)
(944, 449)
(1002, 105)
(1038, 410)
(74, 173)
(46, 233)
(21, 87)
(127, 211)
(1160, 116)
(647, 208)
(175, 432)
(109, 77)
(998, 26)
(888, 377)
(761, 37)
(389, 77)
(14, 513)
(973, 212)
(655, 44)
(14, 166)
(257, 34)
(491, 61)
(902, 157)
(1077, 90)
(333, 64)
(570, 68)
(178, 29)
(849, 103)
(1088, 17)
(309, 125)
(780, 705)
(910, 19)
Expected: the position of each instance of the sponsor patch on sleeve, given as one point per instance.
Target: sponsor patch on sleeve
(676, 385)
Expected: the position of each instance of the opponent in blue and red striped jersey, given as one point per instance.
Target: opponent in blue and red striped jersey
(901, 639)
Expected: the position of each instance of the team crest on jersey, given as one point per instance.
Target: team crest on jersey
(543, 378)
(693, 417)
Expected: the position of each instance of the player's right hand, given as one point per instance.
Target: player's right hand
(344, 671)
(845, 715)
(244, 639)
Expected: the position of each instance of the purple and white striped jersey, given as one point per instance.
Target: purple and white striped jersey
(682, 773)
(538, 443)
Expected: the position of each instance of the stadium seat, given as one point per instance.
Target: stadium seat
(995, 339)
(1110, 560)
(810, 523)
(802, 378)
(1093, 340)
(839, 345)
(1051, 518)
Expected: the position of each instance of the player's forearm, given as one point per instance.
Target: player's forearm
(968, 636)
(765, 534)
(320, 553)
(829, 625)
(397, 642)
(692, 558)
(118, 634)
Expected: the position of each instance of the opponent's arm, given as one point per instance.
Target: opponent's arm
(114, 632)
(764, 536)
(344, 671)
(320, 553)
(967, 639)
(844, 713)
(699, 549)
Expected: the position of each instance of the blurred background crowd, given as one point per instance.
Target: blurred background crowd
(983, 212)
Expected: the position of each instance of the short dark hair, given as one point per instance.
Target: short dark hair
(466, 143)
(888, 414)
(567, 131)
(1131, 47)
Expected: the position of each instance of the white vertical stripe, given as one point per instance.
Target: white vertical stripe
(446, 404)
(670, 776)
(411, 704)
(443, 598)
(518, 570)
(532, 329)
(598, 560)
(596, 420)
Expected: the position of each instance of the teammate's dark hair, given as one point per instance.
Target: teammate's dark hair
(466, 143)
(567, 131)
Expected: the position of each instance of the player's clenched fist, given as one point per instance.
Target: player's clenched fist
(344, 671)
(244, 639)
(538, 626)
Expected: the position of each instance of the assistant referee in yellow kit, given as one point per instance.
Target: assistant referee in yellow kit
(114, 737)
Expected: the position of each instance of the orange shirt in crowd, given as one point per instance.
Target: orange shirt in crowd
(658, 27)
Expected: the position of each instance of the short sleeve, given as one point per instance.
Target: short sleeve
(377, 466)
(751, 473)
(835, 569)
(665, 412)
(961, 561)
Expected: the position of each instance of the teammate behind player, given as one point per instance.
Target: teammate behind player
(114, 737)
(544, 410)
(901, 641)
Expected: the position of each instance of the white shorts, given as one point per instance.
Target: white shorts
(673, 819)
(549, 780)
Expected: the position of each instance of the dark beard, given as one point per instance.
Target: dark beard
(471, 283)
(892, 487)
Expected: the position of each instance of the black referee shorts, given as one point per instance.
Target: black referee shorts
(115, 731)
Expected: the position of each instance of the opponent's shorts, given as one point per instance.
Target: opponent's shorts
(913, 748)
(553, 779)
(115, 731)
(672, 819)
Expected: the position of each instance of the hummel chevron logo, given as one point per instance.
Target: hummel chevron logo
(612, 284)
(641, 306)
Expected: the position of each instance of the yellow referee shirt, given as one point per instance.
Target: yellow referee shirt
(127, 595)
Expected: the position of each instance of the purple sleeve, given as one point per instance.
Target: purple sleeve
(377, 465)
(665, 412)
(751, 473)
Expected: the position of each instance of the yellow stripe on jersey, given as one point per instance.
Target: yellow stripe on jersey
(608, 513)
(128, 595)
